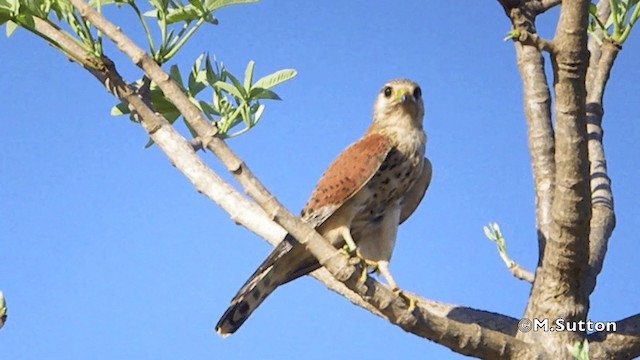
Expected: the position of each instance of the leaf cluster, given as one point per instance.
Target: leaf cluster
(230, 103)
(624, 15)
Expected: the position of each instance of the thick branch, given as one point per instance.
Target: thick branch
(537, 106)
(622, 344)
(464, 338)
(603, 216)
(558, 291)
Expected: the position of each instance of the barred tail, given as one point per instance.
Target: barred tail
(248, 299)
(287, 262)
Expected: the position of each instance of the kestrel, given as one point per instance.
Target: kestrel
(371, 188)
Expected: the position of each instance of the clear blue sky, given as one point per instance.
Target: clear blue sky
(108, 252)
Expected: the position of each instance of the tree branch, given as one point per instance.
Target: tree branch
(464, 338)
(535, 40)
(558, 291)
(602, 213)
(604, 10)
(541, 6)
(537, 106)
(623, 343)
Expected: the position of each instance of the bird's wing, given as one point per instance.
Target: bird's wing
(416, 192)
(351, 171)
(353, 168)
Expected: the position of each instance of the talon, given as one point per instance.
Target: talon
(368, 263)
(363, 276)
(409, 299)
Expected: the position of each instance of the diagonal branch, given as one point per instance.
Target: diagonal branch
(623, 343)
(243, 211)
(464, 338)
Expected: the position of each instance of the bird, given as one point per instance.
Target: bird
(373, 186)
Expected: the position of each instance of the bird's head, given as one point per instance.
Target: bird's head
(399, 103)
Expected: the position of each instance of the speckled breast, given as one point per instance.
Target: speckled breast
(392, 181)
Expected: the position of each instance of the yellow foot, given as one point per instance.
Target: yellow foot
(369, 263)
(363, 276)
(346, 251)
(408, 298)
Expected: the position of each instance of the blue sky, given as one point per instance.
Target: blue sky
(108, 252)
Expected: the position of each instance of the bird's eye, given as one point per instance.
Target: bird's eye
(388, 91)
(417, 93)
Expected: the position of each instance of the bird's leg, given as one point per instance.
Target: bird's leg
(346, 235)
(352, 248)
(383, 268)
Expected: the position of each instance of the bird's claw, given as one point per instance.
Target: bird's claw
(346, 251)
(368, 263)
(408, 298)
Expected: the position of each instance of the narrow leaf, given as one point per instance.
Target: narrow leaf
(276, 78)
(120, 109)
(213, 5)
(11, 28)
(237, 84)
(228, 88)
(248, 75)
(260, 93)
(175, 75)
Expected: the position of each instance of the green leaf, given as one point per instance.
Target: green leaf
(175, 75)
(248, 75)
(260, 93)
(171, 116)
(228, 88)
(6, 5)
(198, 5)
(197, 78)
(4, 17)
(11, 28)
(258, 114)
(208, 109)
(276, 78)
(213, 5)
(120, 109)
(186, 13)
(149, 143)
(197, 83)
(151, 13)
(237, 84)
(212, 76)
(211, 19)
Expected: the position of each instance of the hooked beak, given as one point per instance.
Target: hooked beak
(404, 96)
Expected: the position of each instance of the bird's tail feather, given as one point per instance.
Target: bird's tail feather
(246, 301)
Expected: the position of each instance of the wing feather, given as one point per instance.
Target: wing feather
(346, 176)
(416, 192)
